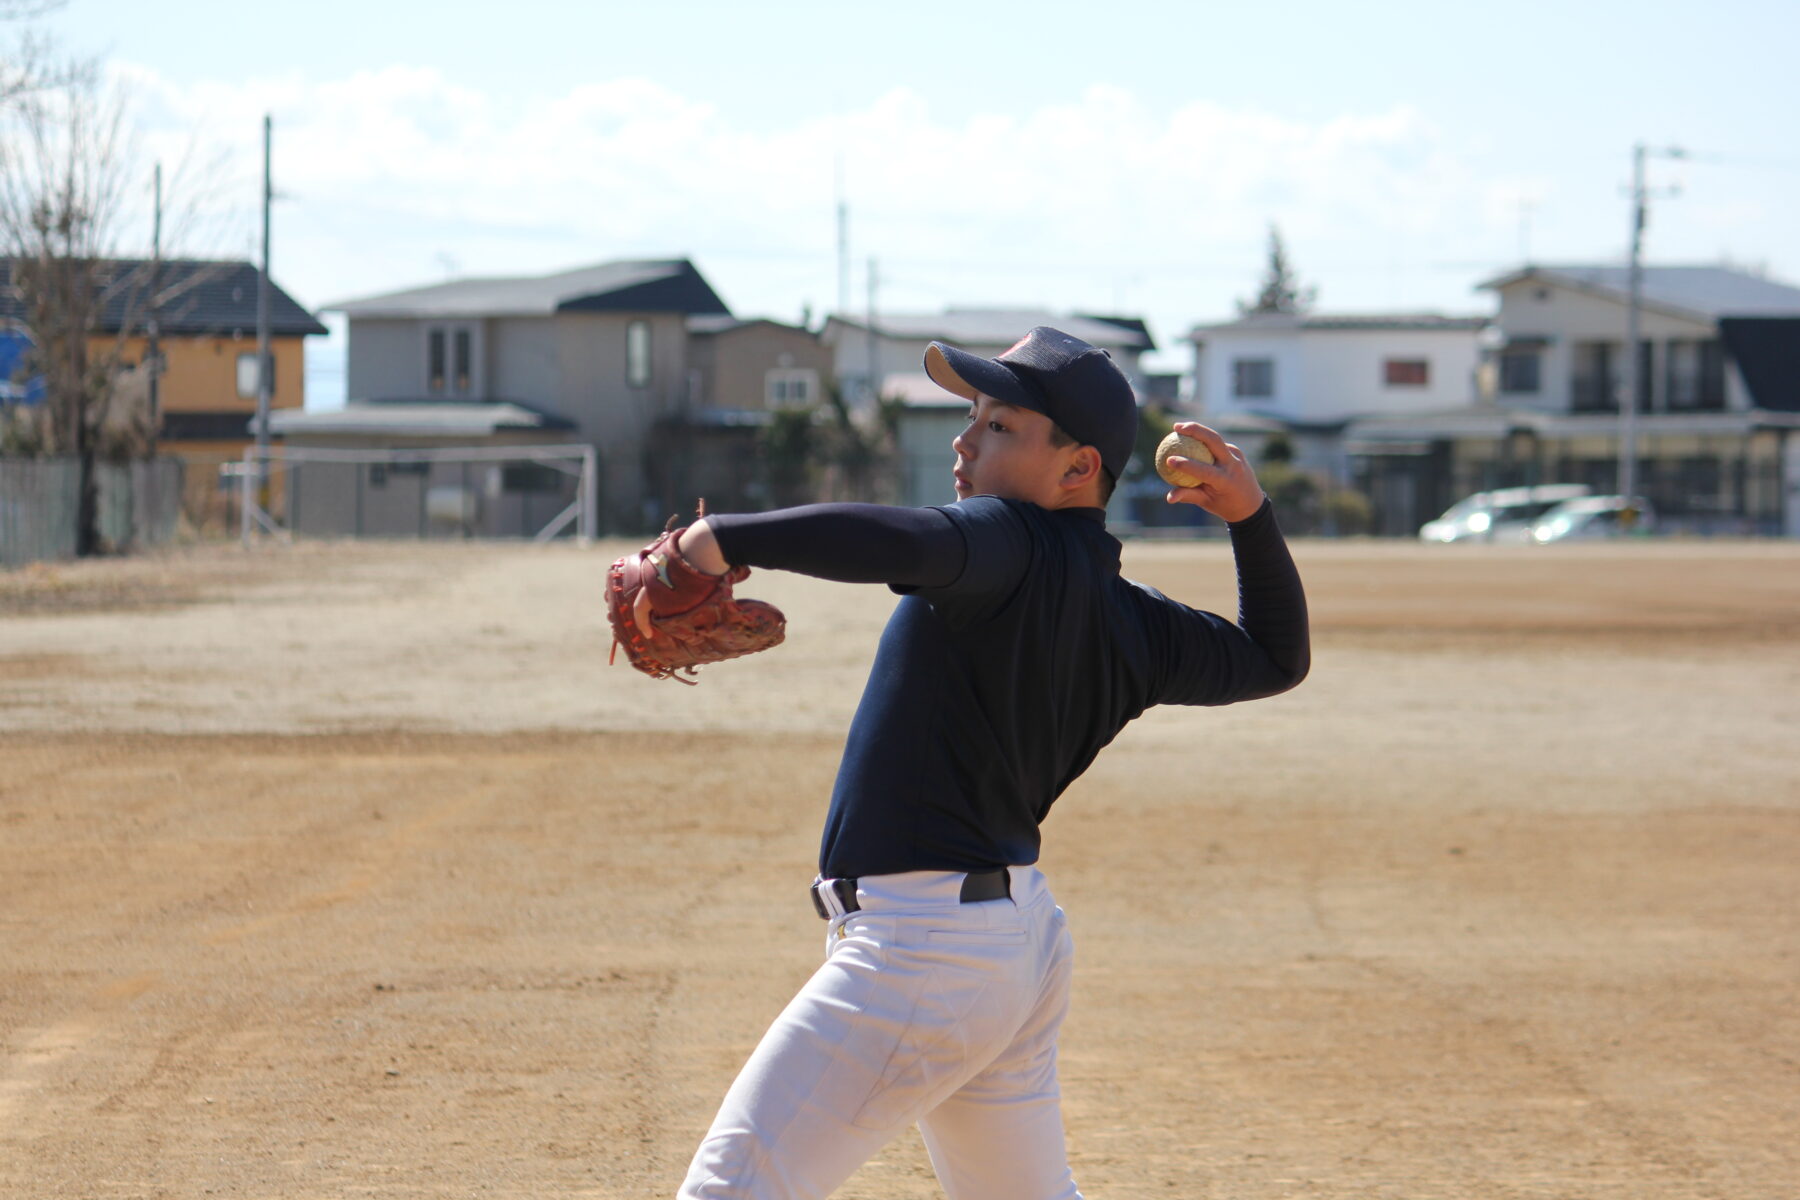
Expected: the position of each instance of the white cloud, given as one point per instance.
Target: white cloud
(1094, 202)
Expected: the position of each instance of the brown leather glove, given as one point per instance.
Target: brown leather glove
(671, 616)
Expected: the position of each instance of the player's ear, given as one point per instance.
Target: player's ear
(1083, 468)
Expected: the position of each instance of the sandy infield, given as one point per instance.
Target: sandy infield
(351, 870)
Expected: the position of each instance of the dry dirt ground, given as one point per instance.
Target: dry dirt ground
(351, 870)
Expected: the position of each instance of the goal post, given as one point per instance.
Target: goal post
(421, 492)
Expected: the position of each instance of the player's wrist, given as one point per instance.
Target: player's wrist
(700, 547)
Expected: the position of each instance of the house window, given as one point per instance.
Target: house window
(1521, 372)
(1695, 376)
(1252, 377)
(1406, 372)
(1593, 387)
(462, 356)
(247, 380)
(434, 361)
(637, 354)
(790, 388)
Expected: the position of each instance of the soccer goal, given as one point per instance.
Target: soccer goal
(535, 492)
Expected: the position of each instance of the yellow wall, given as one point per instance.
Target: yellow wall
(201, 375)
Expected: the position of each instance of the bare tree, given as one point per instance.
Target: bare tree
(64, 166)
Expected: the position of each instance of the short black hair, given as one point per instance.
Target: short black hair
(1060, 437)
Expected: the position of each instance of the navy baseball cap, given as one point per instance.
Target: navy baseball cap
(1074, 384)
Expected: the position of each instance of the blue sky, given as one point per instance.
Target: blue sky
(1125, 157)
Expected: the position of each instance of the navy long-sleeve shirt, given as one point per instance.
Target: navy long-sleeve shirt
(1016, 653)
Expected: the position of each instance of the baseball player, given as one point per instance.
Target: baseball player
(1016, 652)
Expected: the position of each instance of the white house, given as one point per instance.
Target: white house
(1315, 369)
(1718, 389)
(1310, 374)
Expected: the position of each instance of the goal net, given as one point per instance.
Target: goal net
(535, 492)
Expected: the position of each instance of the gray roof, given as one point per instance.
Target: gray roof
(652, 285)
(1707, 291)
(1412, 321)
(999, 327)
(712, 323)
(414, 418)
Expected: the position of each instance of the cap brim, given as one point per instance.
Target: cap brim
(968, 375)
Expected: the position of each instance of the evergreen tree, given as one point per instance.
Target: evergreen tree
(1280, 291)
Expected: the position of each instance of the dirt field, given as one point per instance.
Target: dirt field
(339, 871)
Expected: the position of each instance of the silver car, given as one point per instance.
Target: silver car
(1594, 517)
(1502, 515)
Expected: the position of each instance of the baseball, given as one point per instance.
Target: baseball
(1186, 447)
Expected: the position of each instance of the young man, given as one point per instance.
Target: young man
(1015, 654)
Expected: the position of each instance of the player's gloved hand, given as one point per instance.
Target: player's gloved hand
(673, 617)
(1227, 488)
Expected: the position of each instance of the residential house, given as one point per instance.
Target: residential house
(1307, 376)
(741, 372)
(864, 362)
(205, 317)
(890, 363)
(1718, 436)
(595, 356)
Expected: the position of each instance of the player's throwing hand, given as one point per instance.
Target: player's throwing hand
(1227, 488)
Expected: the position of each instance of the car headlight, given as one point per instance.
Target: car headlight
(1479, 523)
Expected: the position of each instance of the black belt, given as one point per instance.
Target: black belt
(977, 886)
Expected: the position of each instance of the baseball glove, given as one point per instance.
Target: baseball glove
(672, 617)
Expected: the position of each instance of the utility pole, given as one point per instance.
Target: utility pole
(152, 323)
(843, 250)
(265, 382)
(874, 386)
(1633, 375)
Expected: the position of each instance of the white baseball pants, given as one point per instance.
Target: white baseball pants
(926, 1010)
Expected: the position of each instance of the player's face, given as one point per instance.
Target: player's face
(1006, 452)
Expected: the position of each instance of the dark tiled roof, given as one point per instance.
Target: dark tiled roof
(1767, 353)
(194, 298)
(1135, 325)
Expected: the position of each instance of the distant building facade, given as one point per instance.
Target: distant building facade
(623, 356)
(864, 360)
(1306, 377)
(205, 317)
(1718, 393)
(888, 363)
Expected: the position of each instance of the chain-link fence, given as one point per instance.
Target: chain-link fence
(139, 504)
